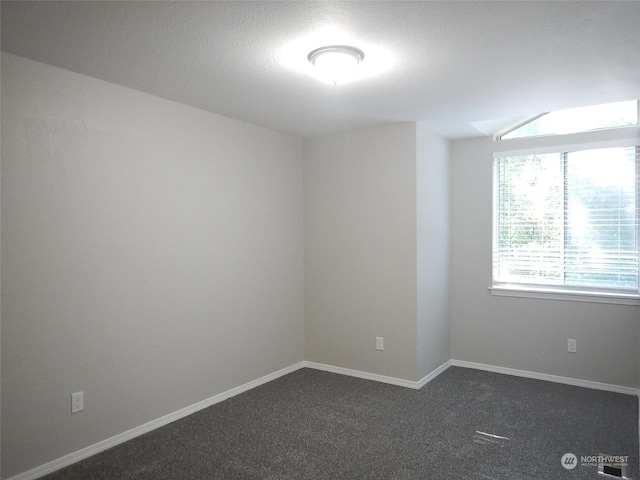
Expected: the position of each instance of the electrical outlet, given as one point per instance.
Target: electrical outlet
(77, 402)
(379, 343)
(572, 347)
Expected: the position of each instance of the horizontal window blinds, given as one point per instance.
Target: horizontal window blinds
(568, 219)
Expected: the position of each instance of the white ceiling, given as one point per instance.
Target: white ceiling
(461, 68)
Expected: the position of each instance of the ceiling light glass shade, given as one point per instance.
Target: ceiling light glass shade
(336, 63)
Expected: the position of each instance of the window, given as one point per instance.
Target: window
(584, 119)
(566, 220)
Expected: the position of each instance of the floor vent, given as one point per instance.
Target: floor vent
(612, 470)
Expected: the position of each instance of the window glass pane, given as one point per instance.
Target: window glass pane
(530, 220)
(579, 120)
(601, 245)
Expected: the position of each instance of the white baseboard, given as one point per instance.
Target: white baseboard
(379, 378)
(148, 427)
(434, 374)
(358, 374)
(549, 378)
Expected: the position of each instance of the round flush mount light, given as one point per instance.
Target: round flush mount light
(336, 63)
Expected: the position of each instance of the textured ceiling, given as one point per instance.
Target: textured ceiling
(461, 68)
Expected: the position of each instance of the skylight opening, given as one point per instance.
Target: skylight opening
(575, 120)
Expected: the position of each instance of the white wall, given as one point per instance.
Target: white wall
(360, 250)
(147, 246)
(151, 257)
(373, 200)
(519, 333)
(432, 183)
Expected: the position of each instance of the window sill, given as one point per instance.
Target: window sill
(567, 295)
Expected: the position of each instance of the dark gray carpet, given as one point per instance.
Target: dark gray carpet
(318, 425)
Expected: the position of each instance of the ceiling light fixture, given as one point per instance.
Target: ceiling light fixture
(336, 63)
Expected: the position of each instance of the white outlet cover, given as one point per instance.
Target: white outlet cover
(77, 402)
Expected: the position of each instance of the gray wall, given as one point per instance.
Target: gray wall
(376, 254)
(151, 257)
(521, 333)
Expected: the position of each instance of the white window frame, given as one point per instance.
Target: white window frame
(609, 138)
